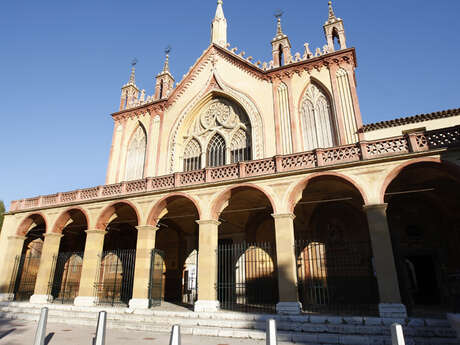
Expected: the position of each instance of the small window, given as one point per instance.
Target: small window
(216, 151)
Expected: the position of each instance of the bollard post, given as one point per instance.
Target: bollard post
(270, 338)
(397, 336)
(175, 335)
(100, 330)
(41, 327)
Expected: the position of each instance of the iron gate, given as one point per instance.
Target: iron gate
(114, 283)
(24, 275)
(65, 278)
(247, 277)
(336, 277)
(156, 278)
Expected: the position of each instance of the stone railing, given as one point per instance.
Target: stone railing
(364, 150)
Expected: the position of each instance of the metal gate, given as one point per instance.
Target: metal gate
(65, 278)
(24, 275)
(114, 283)
(336, 277)
(247, 277)
(156, 277)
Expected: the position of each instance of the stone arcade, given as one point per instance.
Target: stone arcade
(252, 186)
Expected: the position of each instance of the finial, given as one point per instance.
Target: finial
(166, 66)
(278, 14)
(331, 11)
(220, 2)
(132, 77)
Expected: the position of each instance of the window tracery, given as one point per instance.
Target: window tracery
(219, 123)
(317, 120)
(135, 159)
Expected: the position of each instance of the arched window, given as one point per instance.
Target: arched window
(135, 159)
(240, 147)
(216, 151)
(161, 90)
(317, 120)
(192, 156)
(280, 55)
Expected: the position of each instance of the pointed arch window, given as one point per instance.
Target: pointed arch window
(216, 151)
(135, 159)
(240, 147)
(192, 156)
(317, 120)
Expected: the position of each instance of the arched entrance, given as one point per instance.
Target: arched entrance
(247, 275)
(116, 273)
(177, 241)
(26, 265)
(65, 281)
(333, 249)
(424, 220)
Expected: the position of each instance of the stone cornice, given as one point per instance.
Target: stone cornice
(152, 108)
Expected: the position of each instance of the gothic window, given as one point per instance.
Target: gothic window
(192, 156)
(216, 151)
(317, 120)
(135, 159)
(240, 147)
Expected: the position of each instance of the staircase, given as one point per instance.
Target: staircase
(306, 329)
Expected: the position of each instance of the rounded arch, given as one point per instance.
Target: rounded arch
(448, 167)
(219, 202)
(161, 204)
(296, 191)
(199, 101)
(34, 218)
(109, 210)
(64, 217)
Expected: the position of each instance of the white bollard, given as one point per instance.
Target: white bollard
(175, 335)
(397, 336)
(100, 330)
(41, 328)
(270, 338)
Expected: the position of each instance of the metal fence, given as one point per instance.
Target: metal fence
(156, 284)
(247, 277)
(114, 284)
(65, 278)
(336, 277)
(24, 275)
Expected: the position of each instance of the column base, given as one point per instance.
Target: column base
(206, 306)
(6, 297)
(85, 301)
(41, 299)
(139, 303)
(289, 308)
(393, 310)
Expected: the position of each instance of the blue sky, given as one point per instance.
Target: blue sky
(62, 64)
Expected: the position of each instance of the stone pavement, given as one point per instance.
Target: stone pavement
(18, 332)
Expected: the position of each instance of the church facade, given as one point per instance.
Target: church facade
(252, 186)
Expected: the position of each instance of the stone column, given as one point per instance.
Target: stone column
(384, 263)
(207, 266)
(47, 263)
(286, 261)
(142, 270)
(90, 268)
(14, 248)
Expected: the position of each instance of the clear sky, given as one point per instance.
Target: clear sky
(62, 64)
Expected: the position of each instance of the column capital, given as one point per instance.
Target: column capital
(283, 216)
(208, 222)
(16, 237)
(52, 234)
(95, 231)
(147, 228)
(375, 207)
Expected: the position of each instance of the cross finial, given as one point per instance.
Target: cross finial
(166, 65)
(278, 14)
(132, 77)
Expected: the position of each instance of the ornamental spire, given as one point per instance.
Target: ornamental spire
(132, 77)
(279, 30)
(331, 11)
(166, 66)
(219, 26)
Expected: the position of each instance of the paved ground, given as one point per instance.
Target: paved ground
(18, 332)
